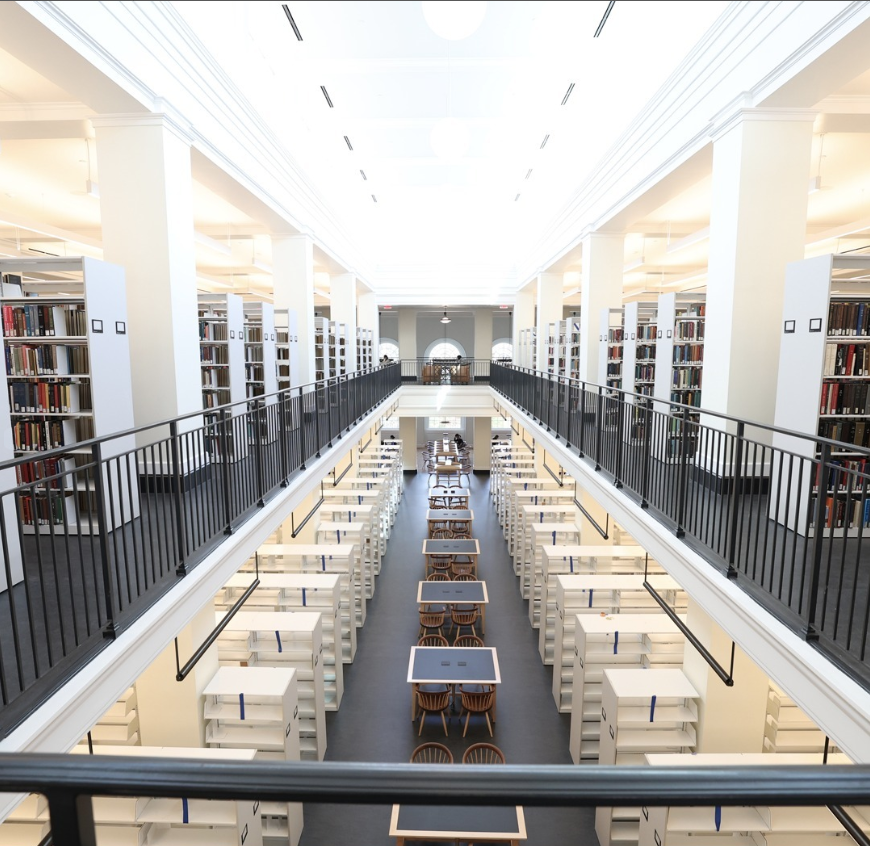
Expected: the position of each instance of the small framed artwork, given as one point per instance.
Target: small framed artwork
(789, 327)
(97, 326)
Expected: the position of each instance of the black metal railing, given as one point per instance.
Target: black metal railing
(70, 781)
(445, 371)
(92, 534)
(784, 513)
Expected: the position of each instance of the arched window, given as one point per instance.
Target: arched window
(502, 349)
(444, 349)
(389, 348)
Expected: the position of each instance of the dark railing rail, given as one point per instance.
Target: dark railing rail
(445, 371)
(784, 513)
(70, 781)
(93, 534)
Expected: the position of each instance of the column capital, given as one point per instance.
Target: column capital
(740, 110)
(167, 119)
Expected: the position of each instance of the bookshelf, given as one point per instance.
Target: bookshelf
(641, 712)
(822, 388)
(554, 348)
(67, 357)
(287, 348)
(787, 728)
(321, 345)
(343, 534)
(527, 354)
(639, 354)
(559, 531)
(680, 348)
(614, 641)
(221, 351)
(261, 375)
(119, 726)
(572, 346)
(611, 347)
(365, 348)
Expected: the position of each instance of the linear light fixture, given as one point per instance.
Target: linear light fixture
(326, 95)
(568, 93)
(689, 240)
(529, 173)
(606, 15)
(374, 198)
(544, 142)
(362, 173)
(286, 9)
(516, 198)
(347, 141)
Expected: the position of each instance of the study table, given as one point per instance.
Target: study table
(446, 470)
(475, 824)
(447, 515)
(455, 593)
(453, 497)
(469, 547)
(452, 665)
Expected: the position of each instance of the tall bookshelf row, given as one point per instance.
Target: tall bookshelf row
(528, 348)
(286, 348)
(365, 348)
(221, 351)
(261, 374)
(611, 340)
(680, 348)
(67, 357)
(639, 356)
(330, 348)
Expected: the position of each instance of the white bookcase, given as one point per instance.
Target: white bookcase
(353, 534)
(289, 640)
(614, 641)
(596, 595)
(758, 825)
(528, 348)
(368, 537)
(342, 560)
(321, 347)
(554, 347)
(578, 560)
(572, 342)
(680, 348)
(365, 348)
(641, 712)
(823, 386)
(787, 728)
(639, 349)
(222, 351)
(119, 726)
(611, 347)
(261, 375)
(319, 592)
(68, 377)
(553, 533)
(287, 348)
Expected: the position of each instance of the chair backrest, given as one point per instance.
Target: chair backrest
(438, 577)
(469, 641)
(435, 617)
(464, 577)
(442, 534)
(483, 753)
(464, 615)
(433, 700)
(433, 640)
(432, 753)
(477, 700)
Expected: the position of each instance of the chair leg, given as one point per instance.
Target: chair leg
(488, 723)
(444, 723)
(467, 718)
(422, 720)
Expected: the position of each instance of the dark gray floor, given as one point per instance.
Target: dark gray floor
(373, 723)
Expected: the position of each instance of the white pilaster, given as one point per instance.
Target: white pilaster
(368, 318)
(482, 441)
(146, 209)
(407, 334)
(602, 288)
(761, 169)
(523, 318)
(293, 279)
(483, 334)
(342, 302)
(408, 436)
(549, 307)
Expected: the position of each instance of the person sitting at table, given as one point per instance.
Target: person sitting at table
(457, 439)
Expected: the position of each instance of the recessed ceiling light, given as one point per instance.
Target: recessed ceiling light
(454, 20)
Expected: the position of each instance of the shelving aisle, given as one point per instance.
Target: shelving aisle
(373, 723)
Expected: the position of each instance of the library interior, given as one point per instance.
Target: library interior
(349, 343)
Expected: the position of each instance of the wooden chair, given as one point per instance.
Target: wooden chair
(440, 564)
(463, 616)
(477, 702)
(441, 534)
(433, 702)
(483, 753)
(464, 577)
(469, 641)
(462, 568)
(438, 577)
(431, 620)
(436, 640)
(432, 753)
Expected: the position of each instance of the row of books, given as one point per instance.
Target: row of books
(844, 475)
(45, 397)
(214, 355)
(42, 510)
(845, 398)
(36, 471)
(692, 398)
(254, 354)
(34, 321)
(646, 352)
(213, 400)
(644, 373)
(646, 332)
(213, 330)
(847, 360)
(37, 435)
(253, 334)
(693, 354)
(849, 318)
(695, 310)
(614, 353)
(219, 378)
(839, 514)
(686, 377)
(846, 431)
(616, 335)
(689, 330)
(41, 360)
(614, 370)
(255, 373)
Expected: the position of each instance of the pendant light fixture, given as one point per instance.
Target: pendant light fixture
(445, 319)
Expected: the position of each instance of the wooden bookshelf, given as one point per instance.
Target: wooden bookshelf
(66, 347)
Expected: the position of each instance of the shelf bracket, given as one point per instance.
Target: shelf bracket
(604, 532)
(294, 529)
(726, 676)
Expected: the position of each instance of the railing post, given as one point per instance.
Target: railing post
(568, 416)
(177, 484)
(733, 510)
(283, 399)
(302, 455)
(72, 818)
(558, 405)
(683, 489)
(328, 412)
(580, 448)
(647, 451)
(226, 442)
(599, 426)
(549, 395)
(259, 405)
(110, 630)
(620, 439)
(812, 632)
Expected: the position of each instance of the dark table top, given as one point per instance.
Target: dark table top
(471, 592)
(449, 514)
(468, 546)
(506, 823)
(451, 664)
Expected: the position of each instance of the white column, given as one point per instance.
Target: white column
(523, 318)
(368, 318)
(549, 308)
(146, 209)
(730, 719)
(408, 436)
(293, 279)
(482, 442)
(170, 712)
(601, 288)
(483, 334)
(342, 305)
(758, 219)
(407, 333)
